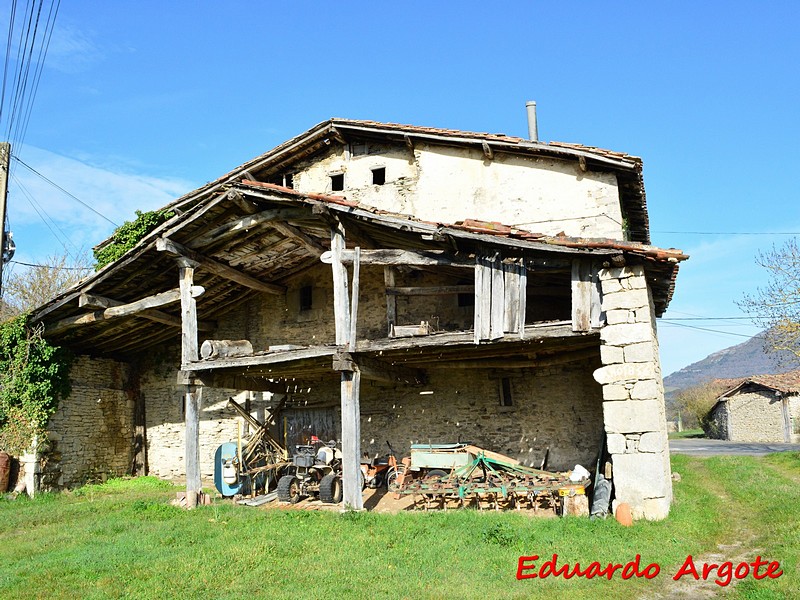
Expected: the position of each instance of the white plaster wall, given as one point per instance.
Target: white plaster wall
(446, 185)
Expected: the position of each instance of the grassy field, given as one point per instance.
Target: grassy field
(687, 433)
(123, 540)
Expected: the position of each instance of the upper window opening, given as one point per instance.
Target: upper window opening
(337, 182)
(306, 297)
(379, 175)
(358, 148)
(505, 392)
(288, 180)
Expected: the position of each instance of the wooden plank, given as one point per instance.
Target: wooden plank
(511, 308)
(597, 316)
(236, 227)
(486, 298)
(498, 296)
(122, 310)
(218, 268)
(581, 295)
(441, 290)
(192, 460)
(391, 301)
(351, 439)
(189, 350)
(523, 298)
(96, 302)
(477, 326)
(395, 257)
(306, 240)
(354, 299)
(378, 370)
(341, 308)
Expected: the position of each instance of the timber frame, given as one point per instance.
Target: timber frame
(241, 239)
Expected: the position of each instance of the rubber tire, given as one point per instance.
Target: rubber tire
(289, 489)
(330, 489)
(391, 478)
(435, 473)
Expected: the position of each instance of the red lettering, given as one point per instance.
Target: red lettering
(522, 565)
(634, 564)
(725, 573)
(593, 570)
(746, 570)
(771, 570)
(609, 570)
(549, 568)
(687, 568)
(756, 564)
(651, 571)
(707, 569)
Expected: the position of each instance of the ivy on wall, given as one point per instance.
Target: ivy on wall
(34, 376)
(127, 235)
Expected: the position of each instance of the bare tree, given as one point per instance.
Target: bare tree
(28, 286)
(695, 402)
(776, 307)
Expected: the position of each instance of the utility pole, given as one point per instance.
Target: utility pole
(5, 163)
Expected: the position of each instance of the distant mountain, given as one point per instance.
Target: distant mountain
(737, 361)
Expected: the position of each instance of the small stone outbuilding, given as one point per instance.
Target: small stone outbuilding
(762, 408)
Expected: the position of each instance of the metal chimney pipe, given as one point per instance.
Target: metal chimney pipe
(533, 128)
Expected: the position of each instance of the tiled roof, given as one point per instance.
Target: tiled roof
(786, 383)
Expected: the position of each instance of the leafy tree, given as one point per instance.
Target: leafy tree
(27, 287)
(776, 307)
(696, 402)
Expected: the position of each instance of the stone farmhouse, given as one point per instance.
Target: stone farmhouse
(761, 408)
(396, 283)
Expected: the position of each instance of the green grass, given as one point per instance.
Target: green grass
(122, 539)
(687, 433)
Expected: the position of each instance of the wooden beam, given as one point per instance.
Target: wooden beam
(354, 300)
(378, 370)
(598, 317)
(581, 295)
(218, 268)
(441, 290)
(498, 300)
(306, 240)
(96, 302)
(393, 257)
(192, 423)
(238, 226)
(239, 200)
(189, 350)
(351, 440)
(123, 310)
(341, 308)
(391, 301)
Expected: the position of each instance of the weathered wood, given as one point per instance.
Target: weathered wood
(341, 308)
(354, 299)
(96, 302)
(399, 331)
(485, 265)
(139, 464)
(442, 290)
(306, 240)
(239, 200)
(523, 298)
(477, 325)
(237, 226)
(218, 268)
(225, 348)
(351, 439)
(188, 315)
(192, 423)
(122, 310)
(581, 295)
(498, 300)
(394, 257)
(378, 370)
(391, 301)
(596, 311)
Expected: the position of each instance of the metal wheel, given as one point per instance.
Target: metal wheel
(330, 489)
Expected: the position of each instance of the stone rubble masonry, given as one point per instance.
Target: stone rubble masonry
(633, 394)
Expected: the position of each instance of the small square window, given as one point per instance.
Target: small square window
(337, 182)
(306, 297)
(379, 176)
(288, 181)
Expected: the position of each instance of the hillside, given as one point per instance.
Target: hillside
(742, 360)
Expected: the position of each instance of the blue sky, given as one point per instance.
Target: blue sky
(140, 102)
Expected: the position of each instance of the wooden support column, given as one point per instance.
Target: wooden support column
(189, 346)
(192, 419)
(391, 299)
(581, 295)
(345, 316)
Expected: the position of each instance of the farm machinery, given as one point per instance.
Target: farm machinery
(313, 472)
(463, 474)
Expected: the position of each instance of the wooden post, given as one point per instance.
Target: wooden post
(498, 296)
(523, 297)
(189, 350)
(597, 317)
(351, 440)
(341, 310)
(391, 299)
(354, 300)
(5, 159)
(581, 295)
(192, 419)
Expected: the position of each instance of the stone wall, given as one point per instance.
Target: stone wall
(633, 394)
(755, 415)
(90, 433)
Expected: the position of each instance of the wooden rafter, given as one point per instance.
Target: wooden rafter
(96, 302)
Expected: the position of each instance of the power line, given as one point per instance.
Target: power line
(58, 187)
(18, 262)
(750, 337)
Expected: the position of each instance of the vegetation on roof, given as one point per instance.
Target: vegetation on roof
(127, 235)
